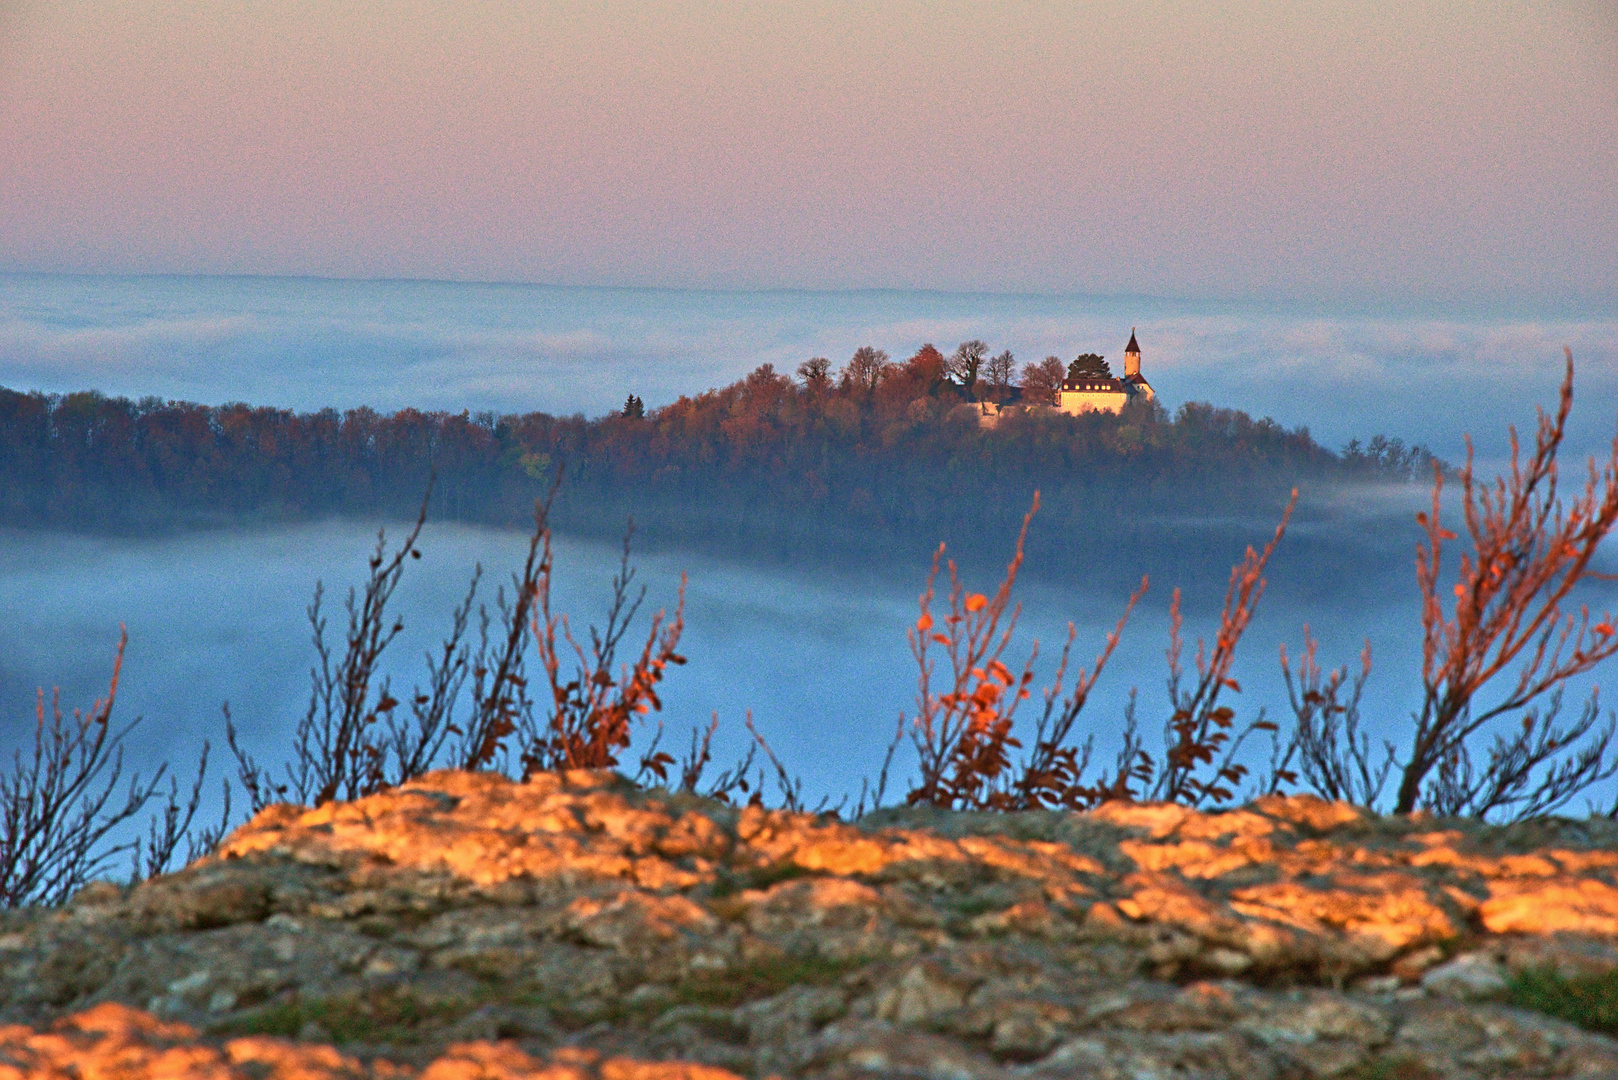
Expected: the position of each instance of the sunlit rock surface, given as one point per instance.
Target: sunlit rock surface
(574, 927)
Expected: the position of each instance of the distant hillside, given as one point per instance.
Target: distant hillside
(767, 464)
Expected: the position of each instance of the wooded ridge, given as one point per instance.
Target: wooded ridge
(767, 461)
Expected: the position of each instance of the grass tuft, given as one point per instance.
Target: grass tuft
(1391, 1068)
(1590, 1001)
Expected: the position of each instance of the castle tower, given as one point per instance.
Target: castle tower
(1131, 357)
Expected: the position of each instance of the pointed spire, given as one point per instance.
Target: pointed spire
(1132, 347)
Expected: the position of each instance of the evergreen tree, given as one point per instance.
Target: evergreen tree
(1089, 366)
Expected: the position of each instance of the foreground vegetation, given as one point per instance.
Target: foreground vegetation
(1590, 1001)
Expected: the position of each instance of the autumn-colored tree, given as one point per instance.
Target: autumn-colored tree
(1529, 550)
(754, 454)
(1042, 382)
(867, 367)
(928, 367)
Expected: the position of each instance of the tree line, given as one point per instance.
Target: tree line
(876, 449)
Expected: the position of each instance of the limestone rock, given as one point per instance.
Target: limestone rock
(575, 928)
(1470, 975)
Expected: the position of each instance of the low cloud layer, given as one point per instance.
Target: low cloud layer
(314, 344)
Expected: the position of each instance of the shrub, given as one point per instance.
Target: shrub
(1333, 754)
(62, 806)
(1199, 732)
(353, 741)
(964, 736)
(592, 712)
(1529, 551)
(63, 814)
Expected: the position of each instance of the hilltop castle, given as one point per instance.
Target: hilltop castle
(1104, 393)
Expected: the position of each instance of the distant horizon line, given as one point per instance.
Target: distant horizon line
(1482, 307)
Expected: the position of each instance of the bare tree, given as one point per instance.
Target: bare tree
(1333, 753)
(999, 371)
(1042, 382)
(866, 368)
(966, 362)
(61, 805)
(1529, 551)
(816, 374)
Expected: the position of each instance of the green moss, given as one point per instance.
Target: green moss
(970, 906)
(730, 883)
(384, 1018)
(1590, 1001)
(401, 1018)
(1391, 1068)
(760, 979)
(284, 1019)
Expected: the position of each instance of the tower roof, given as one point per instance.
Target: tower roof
(1132, 347)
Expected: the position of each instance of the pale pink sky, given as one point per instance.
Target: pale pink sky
(1290, 150)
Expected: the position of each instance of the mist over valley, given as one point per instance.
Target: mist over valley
(794, 613)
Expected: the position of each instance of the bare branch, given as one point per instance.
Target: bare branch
(1528, 552)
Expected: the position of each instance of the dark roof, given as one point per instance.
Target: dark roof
(1132, 347)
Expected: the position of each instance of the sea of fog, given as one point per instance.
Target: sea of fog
(1423, 375)
(819, 656)
(820, 660)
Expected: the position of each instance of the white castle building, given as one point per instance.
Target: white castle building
(1101, 393)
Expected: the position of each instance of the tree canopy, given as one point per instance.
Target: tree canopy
(1089, 366)
(887, 451)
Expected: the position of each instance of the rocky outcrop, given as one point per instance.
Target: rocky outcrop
(467, 926)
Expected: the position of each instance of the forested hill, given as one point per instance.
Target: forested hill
(769, 463)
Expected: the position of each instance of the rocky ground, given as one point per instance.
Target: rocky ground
(574, 927)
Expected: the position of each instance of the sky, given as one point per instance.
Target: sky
(1443, 153)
